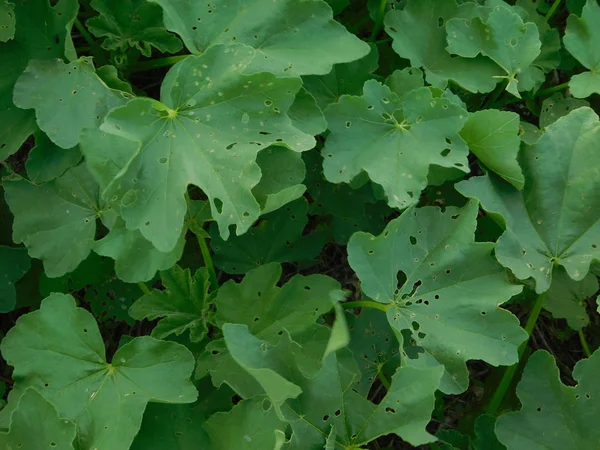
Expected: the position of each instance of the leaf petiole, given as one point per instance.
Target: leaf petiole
(208, 262)
(584, 344)
(366, 304)
(144, 288)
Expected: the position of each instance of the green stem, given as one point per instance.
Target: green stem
(384, 381)
(494, 95)
(379, 22)
(144, 288)
(584, 344)
(366, 304)
(553, 9)
(383, 41)
(94, 47)
(208, 263)
(157, 63)
(509, 373)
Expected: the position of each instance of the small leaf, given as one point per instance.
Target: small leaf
(566, 298)
(557, 106)
(14, 263)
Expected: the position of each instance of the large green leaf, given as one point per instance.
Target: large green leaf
(394, 140)
(277, 238)
(582, 37)
(505, 39)
(555, 220)
(47, 161)
(554, 416)
(56, 220)
(42, 32)
(35, 424)
(493, 136)
(207, 131)
(419, 33)
(59, 351)
(7, 21)
(67, 97)
(290, 37)
(131, 24)
(182, 306)
(14, 263)
(442, 288)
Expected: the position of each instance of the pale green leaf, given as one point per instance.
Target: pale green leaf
(582, 37)
(442, 288)
(110, 76)
(419, 33)
(207, 132)
(14, 263)
(77, 98)
(567, 298)
(182, 306)
(59, 351)
(493, 136)
(131, 24)
(46, 161)
(306, 114)
(555, 220)
(278, 237)
(290, 37)
(56, 220)
(7, 21)
(42, 32)
(394, 140)
(401, 82)
(554, 416)
(35, 424)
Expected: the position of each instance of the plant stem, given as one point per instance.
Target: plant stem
(494, 95)
(384, 381)
(94, 47)
(553, 9)
(540, 93)
(366, 304)
(144, 288)
(379, 22)
(157, 63)
(584, 344)
(383, 41)
(509, 373)
(208, 263)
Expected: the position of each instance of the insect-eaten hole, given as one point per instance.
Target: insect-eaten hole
(445, 152)
(218, 205)
(390, 410)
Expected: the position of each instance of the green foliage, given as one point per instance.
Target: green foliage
(299, 224)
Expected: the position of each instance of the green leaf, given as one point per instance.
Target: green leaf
(131, 24)
(41, 32)
(14, 263)
(447, 294)
(401, 82)
(420, 36)
(110, 76)
(57, 220)
(278, 237)
(283, 172)
(485, 434)
(36, 424)
(78, 99)
(581, 40)
(110, 300)
(207, 132)
(7, 21)
(46, 161)
(555, 219)
(136, 259)
(394, 140)
(59, 351)
(505, 39)
(557, 106)
(566, 298)
(182, 306)
(290, 37)
(554, 416)
(251, 424)
(306, 115)
(493, 136)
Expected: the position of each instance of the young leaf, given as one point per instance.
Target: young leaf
(277, 238)
(59, 351)
(14, 263)
(419, 33)
(394, 141)
(554, 416)
(78, 98)
(46, 161)
(131, 24)
(582, 37)
(555, 220)
(57, 220)
(207, 131)
(7, 21)
(182, 306)
(36, 424)
(450, 300)
(493, 136)
(290, 37)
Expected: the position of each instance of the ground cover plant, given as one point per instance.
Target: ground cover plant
(299, 224)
